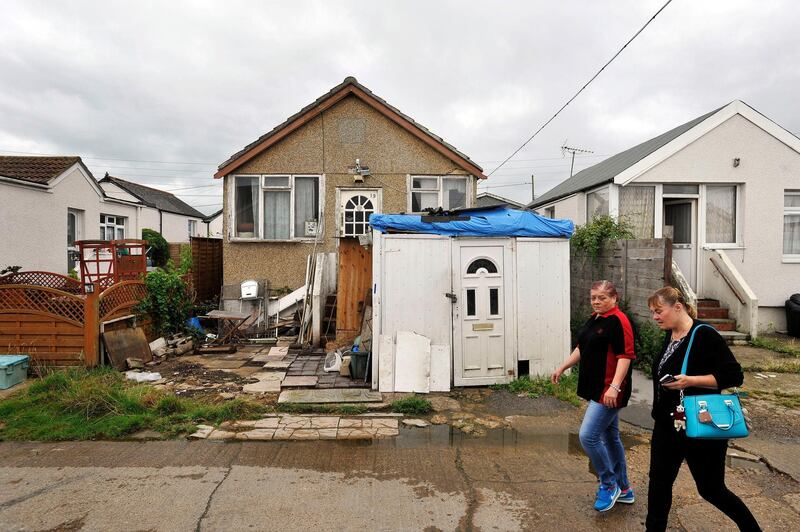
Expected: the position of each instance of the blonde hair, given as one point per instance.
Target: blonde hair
(670, 295)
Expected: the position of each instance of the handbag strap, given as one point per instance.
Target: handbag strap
(689, 347)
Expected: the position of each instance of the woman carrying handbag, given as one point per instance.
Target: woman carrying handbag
(709, 368)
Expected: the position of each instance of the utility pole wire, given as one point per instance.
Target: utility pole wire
(582, 88)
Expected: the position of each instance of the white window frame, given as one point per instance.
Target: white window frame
(78, 216)
(104, 224)
(259, 229)
(702, 205)
(786, 257)
(192, 227)
(468, 200)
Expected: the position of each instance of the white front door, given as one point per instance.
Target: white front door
(681, 216)
(482, 312)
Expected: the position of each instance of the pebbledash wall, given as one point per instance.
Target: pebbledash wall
(34, 220)
(327, 146)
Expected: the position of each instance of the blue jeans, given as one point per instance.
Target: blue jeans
(600, 439)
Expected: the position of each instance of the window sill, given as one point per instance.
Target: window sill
(791, 259)
(239, 240)
(723, 246)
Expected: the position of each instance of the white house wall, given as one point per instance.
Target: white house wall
(214, 227)
(175, 227)
(767, 167)
(570, 208)
(34, 221)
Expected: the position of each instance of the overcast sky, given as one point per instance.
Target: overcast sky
(154, 84)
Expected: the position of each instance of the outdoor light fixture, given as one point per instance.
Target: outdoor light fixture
(736, 162)
(359, 171)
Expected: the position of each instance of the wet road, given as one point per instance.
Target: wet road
(531, 478)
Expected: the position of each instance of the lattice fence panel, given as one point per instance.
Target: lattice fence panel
(121, 296)
(26, 298)
(46, 279)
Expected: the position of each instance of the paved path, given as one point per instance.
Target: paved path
(531, 477)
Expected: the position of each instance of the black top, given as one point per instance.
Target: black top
(710, 356)
(604, 339)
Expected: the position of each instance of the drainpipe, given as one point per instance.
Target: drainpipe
(160, 222)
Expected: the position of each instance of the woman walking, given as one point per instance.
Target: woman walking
(605, 352)
(711, 367)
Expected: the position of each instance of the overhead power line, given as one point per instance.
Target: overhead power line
(582, 88)
(113, 159)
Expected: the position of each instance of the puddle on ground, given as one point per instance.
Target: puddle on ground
(438, 436)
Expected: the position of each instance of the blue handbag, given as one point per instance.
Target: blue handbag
(712, 416)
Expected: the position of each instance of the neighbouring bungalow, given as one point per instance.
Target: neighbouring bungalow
(487, 199)
(726, 188)
(309, 186)
(213, 224)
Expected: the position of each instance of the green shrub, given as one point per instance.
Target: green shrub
(168, 301)
(649, 341)
(412, 405)
(591, 237)
(159, 249)
(186, 259)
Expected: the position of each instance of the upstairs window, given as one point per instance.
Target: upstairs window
(276, 207)
(791, 224)
(431, 192)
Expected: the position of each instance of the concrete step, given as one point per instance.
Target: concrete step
(712, 313)
(735, 337)
(722, 324)
(707, 303)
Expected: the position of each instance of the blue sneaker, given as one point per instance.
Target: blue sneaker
(626, 497)
(606, 498)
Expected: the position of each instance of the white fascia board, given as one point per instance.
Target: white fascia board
(23, 184)
(680, 142)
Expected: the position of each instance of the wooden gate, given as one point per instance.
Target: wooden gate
(354, 283)
(206, 267)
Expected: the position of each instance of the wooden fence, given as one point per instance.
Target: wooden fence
(636, 267)
(206, 267)
(59, 328)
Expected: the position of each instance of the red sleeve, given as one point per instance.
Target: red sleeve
(622, 338)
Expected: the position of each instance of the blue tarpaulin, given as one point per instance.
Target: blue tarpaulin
(501, 221)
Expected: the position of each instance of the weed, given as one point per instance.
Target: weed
(649, 341)
(345, 410)
(80, 404)
(565, 390)
(412, 405)
(789, 400)
(774, 345)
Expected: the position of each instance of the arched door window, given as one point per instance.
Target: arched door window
(356, 214)
(479, 266)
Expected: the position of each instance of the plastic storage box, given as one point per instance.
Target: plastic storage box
(13, 370)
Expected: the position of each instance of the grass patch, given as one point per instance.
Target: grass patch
(565, 390)
(775, 345)
(342, 410)
(789, 400)
(412, 406)
(80, 404)
(774, 366)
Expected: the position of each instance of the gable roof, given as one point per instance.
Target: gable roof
(486, 199)
(350, 86)
(211, 216)
(152, 197)
(606, 170)
(37, 170)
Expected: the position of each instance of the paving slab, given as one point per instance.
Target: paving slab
(327, 422)
(279, 350)
(256, 434)
(415, 423)
(267, 423)
(202, 432)
(299, 381)
(260, 358)
(267, 383)
(330, 396)
(277, 364)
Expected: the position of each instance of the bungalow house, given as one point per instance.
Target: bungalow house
(170, 216)
(487, 199)
(309, 185)
(726, 188)
(48, 204)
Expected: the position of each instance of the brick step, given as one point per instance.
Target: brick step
(735, 337)
(712, 312)
(707, 302)
(722, 324)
